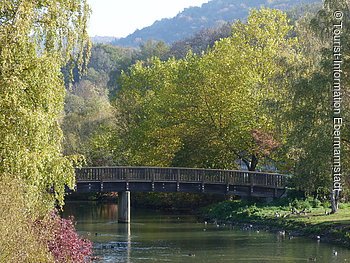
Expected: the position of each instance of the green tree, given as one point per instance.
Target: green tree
(153, 48)
(310, 114)
(106, 64)
(37, 38)
(231, 86)
(144, 136)
(209, 110)
(88, 123)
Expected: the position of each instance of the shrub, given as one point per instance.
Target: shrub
(301, 204)
(64, 242)
(315, 203)
(23, 239)
(19, 240)
(248, 211)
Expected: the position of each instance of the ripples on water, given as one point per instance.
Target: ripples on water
(156, 237)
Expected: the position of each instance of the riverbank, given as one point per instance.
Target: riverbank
(308, 218)
(297, 218)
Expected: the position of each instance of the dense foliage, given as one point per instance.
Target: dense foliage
(37, 38)
(89, 123)
(65, 244)
(201, 111)
(253, 95)
(259, 97)
(309, 113)
(33, 49)
(19, 239)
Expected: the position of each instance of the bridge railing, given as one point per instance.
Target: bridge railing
(156, 174)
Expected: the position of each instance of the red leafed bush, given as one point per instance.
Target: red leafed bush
(64, 242)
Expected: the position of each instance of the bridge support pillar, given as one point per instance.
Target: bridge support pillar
(124, 207)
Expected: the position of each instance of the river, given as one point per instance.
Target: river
(155, 236)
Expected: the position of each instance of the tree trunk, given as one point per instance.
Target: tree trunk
(251, 165)
(334, 201)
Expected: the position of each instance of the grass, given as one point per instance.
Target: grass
(306, 217)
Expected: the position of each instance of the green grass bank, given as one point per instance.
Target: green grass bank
(308, 217)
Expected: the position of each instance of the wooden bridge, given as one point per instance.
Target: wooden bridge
(155, 179)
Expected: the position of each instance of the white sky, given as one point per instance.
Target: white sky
(122, 17)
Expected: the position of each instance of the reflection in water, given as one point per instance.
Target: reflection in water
(157, 237)
(127, 234)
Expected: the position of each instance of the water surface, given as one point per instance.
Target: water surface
(154, 236)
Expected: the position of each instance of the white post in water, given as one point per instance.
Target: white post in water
(124, 207)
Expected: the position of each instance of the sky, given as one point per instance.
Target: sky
(120, 18)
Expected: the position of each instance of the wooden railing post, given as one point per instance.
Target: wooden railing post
(177, 180)
(127, 179)
(203, 182)
(227, 179)
(251, 181)
(275, 186)
(153, 176)
(101, 183)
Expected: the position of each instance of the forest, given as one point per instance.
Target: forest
(257, 94)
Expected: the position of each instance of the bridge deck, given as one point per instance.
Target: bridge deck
(148, 179)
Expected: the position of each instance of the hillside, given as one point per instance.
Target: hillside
(210, 15)
(102, 39)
